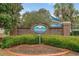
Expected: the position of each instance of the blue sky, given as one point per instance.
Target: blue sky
(36, 6)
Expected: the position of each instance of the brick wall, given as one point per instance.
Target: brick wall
(65, 30)
(55, 31)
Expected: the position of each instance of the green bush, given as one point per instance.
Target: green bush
(69, 42)
(17, 40)
(75, 33)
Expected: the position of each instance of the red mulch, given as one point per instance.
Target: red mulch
(36, 49)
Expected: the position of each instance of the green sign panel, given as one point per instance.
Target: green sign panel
(40, 29)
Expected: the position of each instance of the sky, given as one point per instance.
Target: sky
(36, 6)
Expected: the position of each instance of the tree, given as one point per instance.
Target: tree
(65, 11)
(36, 17)
(76, 20)
(57, 9)
(9, 15)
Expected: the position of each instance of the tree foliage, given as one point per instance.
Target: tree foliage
(65, 11)
(36, 17)
(9, 15)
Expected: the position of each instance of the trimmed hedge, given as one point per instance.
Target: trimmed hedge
(17, 40)
(69, 42)
(75, 33)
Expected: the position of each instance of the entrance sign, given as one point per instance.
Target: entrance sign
(40, 29)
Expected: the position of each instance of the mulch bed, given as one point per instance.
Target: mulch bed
(36, 49)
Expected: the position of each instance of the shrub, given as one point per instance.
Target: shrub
(17, 40)
(69, 42)
(75, 33)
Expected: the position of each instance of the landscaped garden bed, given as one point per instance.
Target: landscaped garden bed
(37, 50)
(29, 44)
